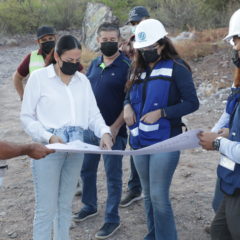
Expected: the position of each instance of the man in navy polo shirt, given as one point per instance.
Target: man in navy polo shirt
(108, 75)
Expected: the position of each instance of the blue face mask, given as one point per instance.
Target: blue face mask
(133, 29)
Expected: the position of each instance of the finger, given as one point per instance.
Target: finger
(200, 134)
(134, 118)
(101, 145)
(143, 117)
(50, 151)
(108, 146)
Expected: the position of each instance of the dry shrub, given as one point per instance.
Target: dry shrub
(87, 57)
(189, 49)
(211, 35)
(206, 42)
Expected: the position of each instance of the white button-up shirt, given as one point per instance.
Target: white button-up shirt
(50, 103)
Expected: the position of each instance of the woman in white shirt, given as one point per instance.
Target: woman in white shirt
(58, 105)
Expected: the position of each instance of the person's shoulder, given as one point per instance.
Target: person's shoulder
(82, 77)
(180, 65)
(125, 59)
(96, 60)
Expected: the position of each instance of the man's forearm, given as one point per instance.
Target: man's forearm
(10, 150)
(119, 121)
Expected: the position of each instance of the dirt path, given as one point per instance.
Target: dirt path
(193, 182)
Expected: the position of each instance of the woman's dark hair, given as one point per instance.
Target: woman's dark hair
(66, 43)
(237, 78)
(138, 66)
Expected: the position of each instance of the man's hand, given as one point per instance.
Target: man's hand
(151, 117)
(206, 139)
(106, 142)
(38, 151)
(224, 132)
(129, 115)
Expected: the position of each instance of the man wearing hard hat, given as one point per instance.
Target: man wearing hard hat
(225, 225)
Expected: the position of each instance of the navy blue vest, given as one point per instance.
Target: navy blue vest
(148, 94)
(230, 180)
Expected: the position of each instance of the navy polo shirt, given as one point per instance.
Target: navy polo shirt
(108, 84)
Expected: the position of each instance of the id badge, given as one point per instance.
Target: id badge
(227, 163)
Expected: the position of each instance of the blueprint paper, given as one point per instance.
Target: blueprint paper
(186, 140)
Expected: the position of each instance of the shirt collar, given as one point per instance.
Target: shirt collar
(115, 62)
(51, 71)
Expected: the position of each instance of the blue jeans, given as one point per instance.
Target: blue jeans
(134, 184)
(113, 169)
(156, 172)
(55, 179)
(218, 196)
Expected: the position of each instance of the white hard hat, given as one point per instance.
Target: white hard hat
(148, 32)
(234, 26)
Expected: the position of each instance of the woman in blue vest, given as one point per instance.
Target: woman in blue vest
(161, 91)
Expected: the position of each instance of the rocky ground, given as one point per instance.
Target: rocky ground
(193, 182)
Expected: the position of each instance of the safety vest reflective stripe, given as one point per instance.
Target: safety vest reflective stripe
(134, 132)
(162, 71)
(36, 61)
(148, 128)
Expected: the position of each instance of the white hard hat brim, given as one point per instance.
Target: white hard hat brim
(229, 38)
(137, 45)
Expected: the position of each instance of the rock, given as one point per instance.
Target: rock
(187, 174)
(11, 42)
(95, 15)
(126, 32)
(184, 36)
(12, 235)
(2, 214)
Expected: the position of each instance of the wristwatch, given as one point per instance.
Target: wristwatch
(216, 143)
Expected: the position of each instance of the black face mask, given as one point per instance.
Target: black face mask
(47, 46)
(69, 68)
(109, 48)
(150, 56)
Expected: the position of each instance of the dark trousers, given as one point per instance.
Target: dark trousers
(113, 169)
(226, 224)
(218, 196)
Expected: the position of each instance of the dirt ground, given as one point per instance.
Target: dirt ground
(193, 182)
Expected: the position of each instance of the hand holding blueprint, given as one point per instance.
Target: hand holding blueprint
(186, 140)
